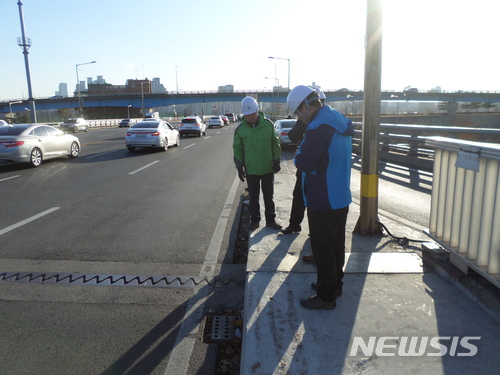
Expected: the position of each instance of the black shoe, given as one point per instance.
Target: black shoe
(314, 303)
(314, 287)
(274, 225)
(291, 229)
(253, 225)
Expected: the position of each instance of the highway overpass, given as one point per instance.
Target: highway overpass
(173, 98)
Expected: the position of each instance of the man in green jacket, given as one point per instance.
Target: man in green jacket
(257, 153)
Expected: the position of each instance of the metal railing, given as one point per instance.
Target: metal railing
(465, 204)
(406, 144)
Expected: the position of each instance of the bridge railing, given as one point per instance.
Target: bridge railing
(465, 204)
(406, 144)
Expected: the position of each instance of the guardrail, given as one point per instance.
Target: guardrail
(465, 204)
(406, 144)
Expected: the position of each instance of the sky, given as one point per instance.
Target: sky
(199, 45)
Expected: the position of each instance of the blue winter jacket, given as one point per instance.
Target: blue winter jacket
(324, 157)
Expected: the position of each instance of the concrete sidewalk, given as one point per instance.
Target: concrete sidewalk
(392, 307)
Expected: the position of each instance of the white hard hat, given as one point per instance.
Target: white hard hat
(320, 93)
(249, 105)
(297, 96)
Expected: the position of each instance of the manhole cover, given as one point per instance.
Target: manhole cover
(222, 329)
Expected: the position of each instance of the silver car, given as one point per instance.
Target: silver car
(74, 125)
(153, 134)
(33, 143)
(282, 128)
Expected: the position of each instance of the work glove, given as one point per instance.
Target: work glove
(276, 166)
(241, 173)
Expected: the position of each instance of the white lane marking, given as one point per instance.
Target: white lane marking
(28, 220)
(191, 145)
(208, 136)
(184, 343)
(10, 178)
(102, 153)
(146, 166)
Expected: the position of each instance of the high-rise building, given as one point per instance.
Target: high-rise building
(63, 90)
(157, 87)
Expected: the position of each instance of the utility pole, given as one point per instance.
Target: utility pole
(25, 44)
(368, 222)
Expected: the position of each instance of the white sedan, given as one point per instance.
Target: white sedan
(152, 134)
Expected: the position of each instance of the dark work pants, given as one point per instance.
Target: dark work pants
(254, 185)
(298, 207)
(327, 232)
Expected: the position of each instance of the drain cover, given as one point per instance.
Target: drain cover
(222, 329)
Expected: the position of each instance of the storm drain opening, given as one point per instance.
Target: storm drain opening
(222, 328)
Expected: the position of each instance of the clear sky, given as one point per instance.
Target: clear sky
(427, 43)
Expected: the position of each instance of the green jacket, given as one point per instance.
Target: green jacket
(257, 147)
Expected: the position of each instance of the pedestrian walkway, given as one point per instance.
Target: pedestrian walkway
(395, 316)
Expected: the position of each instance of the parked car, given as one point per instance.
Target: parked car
(151, 134)
(225, 119)
(125, 123)
(282, 128)
(231, 116)
(192, 125)
(33, 143)
(215, 121)
(73, 125)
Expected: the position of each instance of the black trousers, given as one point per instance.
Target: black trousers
(255, 182)
(327, 233)
(298, 207)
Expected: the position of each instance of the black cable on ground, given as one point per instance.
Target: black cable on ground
(401, 240)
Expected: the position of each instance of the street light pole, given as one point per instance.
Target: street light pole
(128, 110)
(10, 108)
(78, 85)
(282, 58)
(368, 222)
(142, 95)
(176, 81)
(25, 44)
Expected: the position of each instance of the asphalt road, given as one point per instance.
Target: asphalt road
(111, 212)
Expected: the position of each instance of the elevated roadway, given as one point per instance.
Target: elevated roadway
(167, 99)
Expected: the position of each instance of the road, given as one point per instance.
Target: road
(111, 212)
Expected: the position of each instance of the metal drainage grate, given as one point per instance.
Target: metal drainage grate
(222, 329)
(101, 279)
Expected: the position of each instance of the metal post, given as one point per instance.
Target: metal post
(25, 43)
(282, 58)
(79, 88)
(10, 108)
(368, 221)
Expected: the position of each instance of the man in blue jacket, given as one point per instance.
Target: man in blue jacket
(324, 157)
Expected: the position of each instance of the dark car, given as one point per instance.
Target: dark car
(125, 123)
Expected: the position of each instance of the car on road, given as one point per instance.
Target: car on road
(125, 123)
(73, 125)
(231, 116)
(3, 123)
(216, 121)
(225, 119)
(157, 134)
(34, 143)
(192, 125)
(282, 128)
